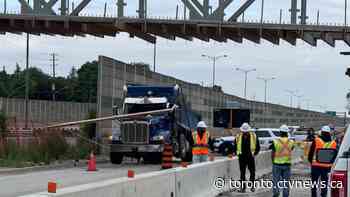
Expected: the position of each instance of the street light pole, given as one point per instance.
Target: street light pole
(299, 101)
(245, 71)
(214, 59)
(266, 80)
(292, 93)
(214, 68)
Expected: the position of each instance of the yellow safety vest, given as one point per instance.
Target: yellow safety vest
(200, 146)
(239, 143)
(283, 151)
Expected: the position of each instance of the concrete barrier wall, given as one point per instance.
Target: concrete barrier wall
(195, 180)
(114, 74)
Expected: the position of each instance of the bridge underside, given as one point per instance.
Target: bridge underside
(171, 29)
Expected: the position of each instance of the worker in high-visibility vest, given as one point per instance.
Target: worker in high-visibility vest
(281, 162)
(321, 170)
(200, 148)
(246, 146)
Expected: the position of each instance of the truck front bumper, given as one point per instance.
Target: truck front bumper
(134, 148)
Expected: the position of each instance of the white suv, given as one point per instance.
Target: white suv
(340, 170)
(267, 135)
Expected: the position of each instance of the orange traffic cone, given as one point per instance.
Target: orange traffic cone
(167, 160)
(92, 163)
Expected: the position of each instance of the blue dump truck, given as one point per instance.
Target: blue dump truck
(143, 136)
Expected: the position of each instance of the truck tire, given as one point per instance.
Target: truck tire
(185, 149)
(152, 158)
(116, 158)
(226, 149)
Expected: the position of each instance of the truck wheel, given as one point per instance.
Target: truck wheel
(185, 149)
(116, 158)
(153, 158)
(226, 149)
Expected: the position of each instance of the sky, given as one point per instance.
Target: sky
(316, 73)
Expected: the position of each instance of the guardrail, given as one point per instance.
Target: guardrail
(194, 181)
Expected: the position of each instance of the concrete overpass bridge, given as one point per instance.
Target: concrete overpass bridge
(148, 29)
(200, 20)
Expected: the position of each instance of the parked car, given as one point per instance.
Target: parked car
(267, 135)
(340, 170)
(223, 145)
(299, 136)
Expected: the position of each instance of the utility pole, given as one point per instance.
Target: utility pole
(26, 110)
(245, 71)
(214, 59)
(54, 60)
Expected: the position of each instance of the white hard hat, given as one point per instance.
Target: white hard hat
(326, 129)
(245, 127)
(201, 124)
(284, 128)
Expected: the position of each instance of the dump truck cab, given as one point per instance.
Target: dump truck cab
(144, 136)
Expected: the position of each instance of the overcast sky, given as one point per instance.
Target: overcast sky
(317, 73)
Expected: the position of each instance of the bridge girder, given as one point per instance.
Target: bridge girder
(150, 29)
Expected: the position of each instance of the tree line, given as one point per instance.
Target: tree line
(80, 85)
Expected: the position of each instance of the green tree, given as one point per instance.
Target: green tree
(3, 125)
(87, 82)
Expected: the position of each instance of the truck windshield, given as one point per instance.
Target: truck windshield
(135, 108)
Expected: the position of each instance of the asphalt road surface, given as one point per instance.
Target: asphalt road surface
(300, 171)
(33, 182)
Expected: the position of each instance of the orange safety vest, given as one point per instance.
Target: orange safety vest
(320, 144)
(200, 146)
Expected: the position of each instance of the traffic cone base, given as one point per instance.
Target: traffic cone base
(51, 187)
(131, 174)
